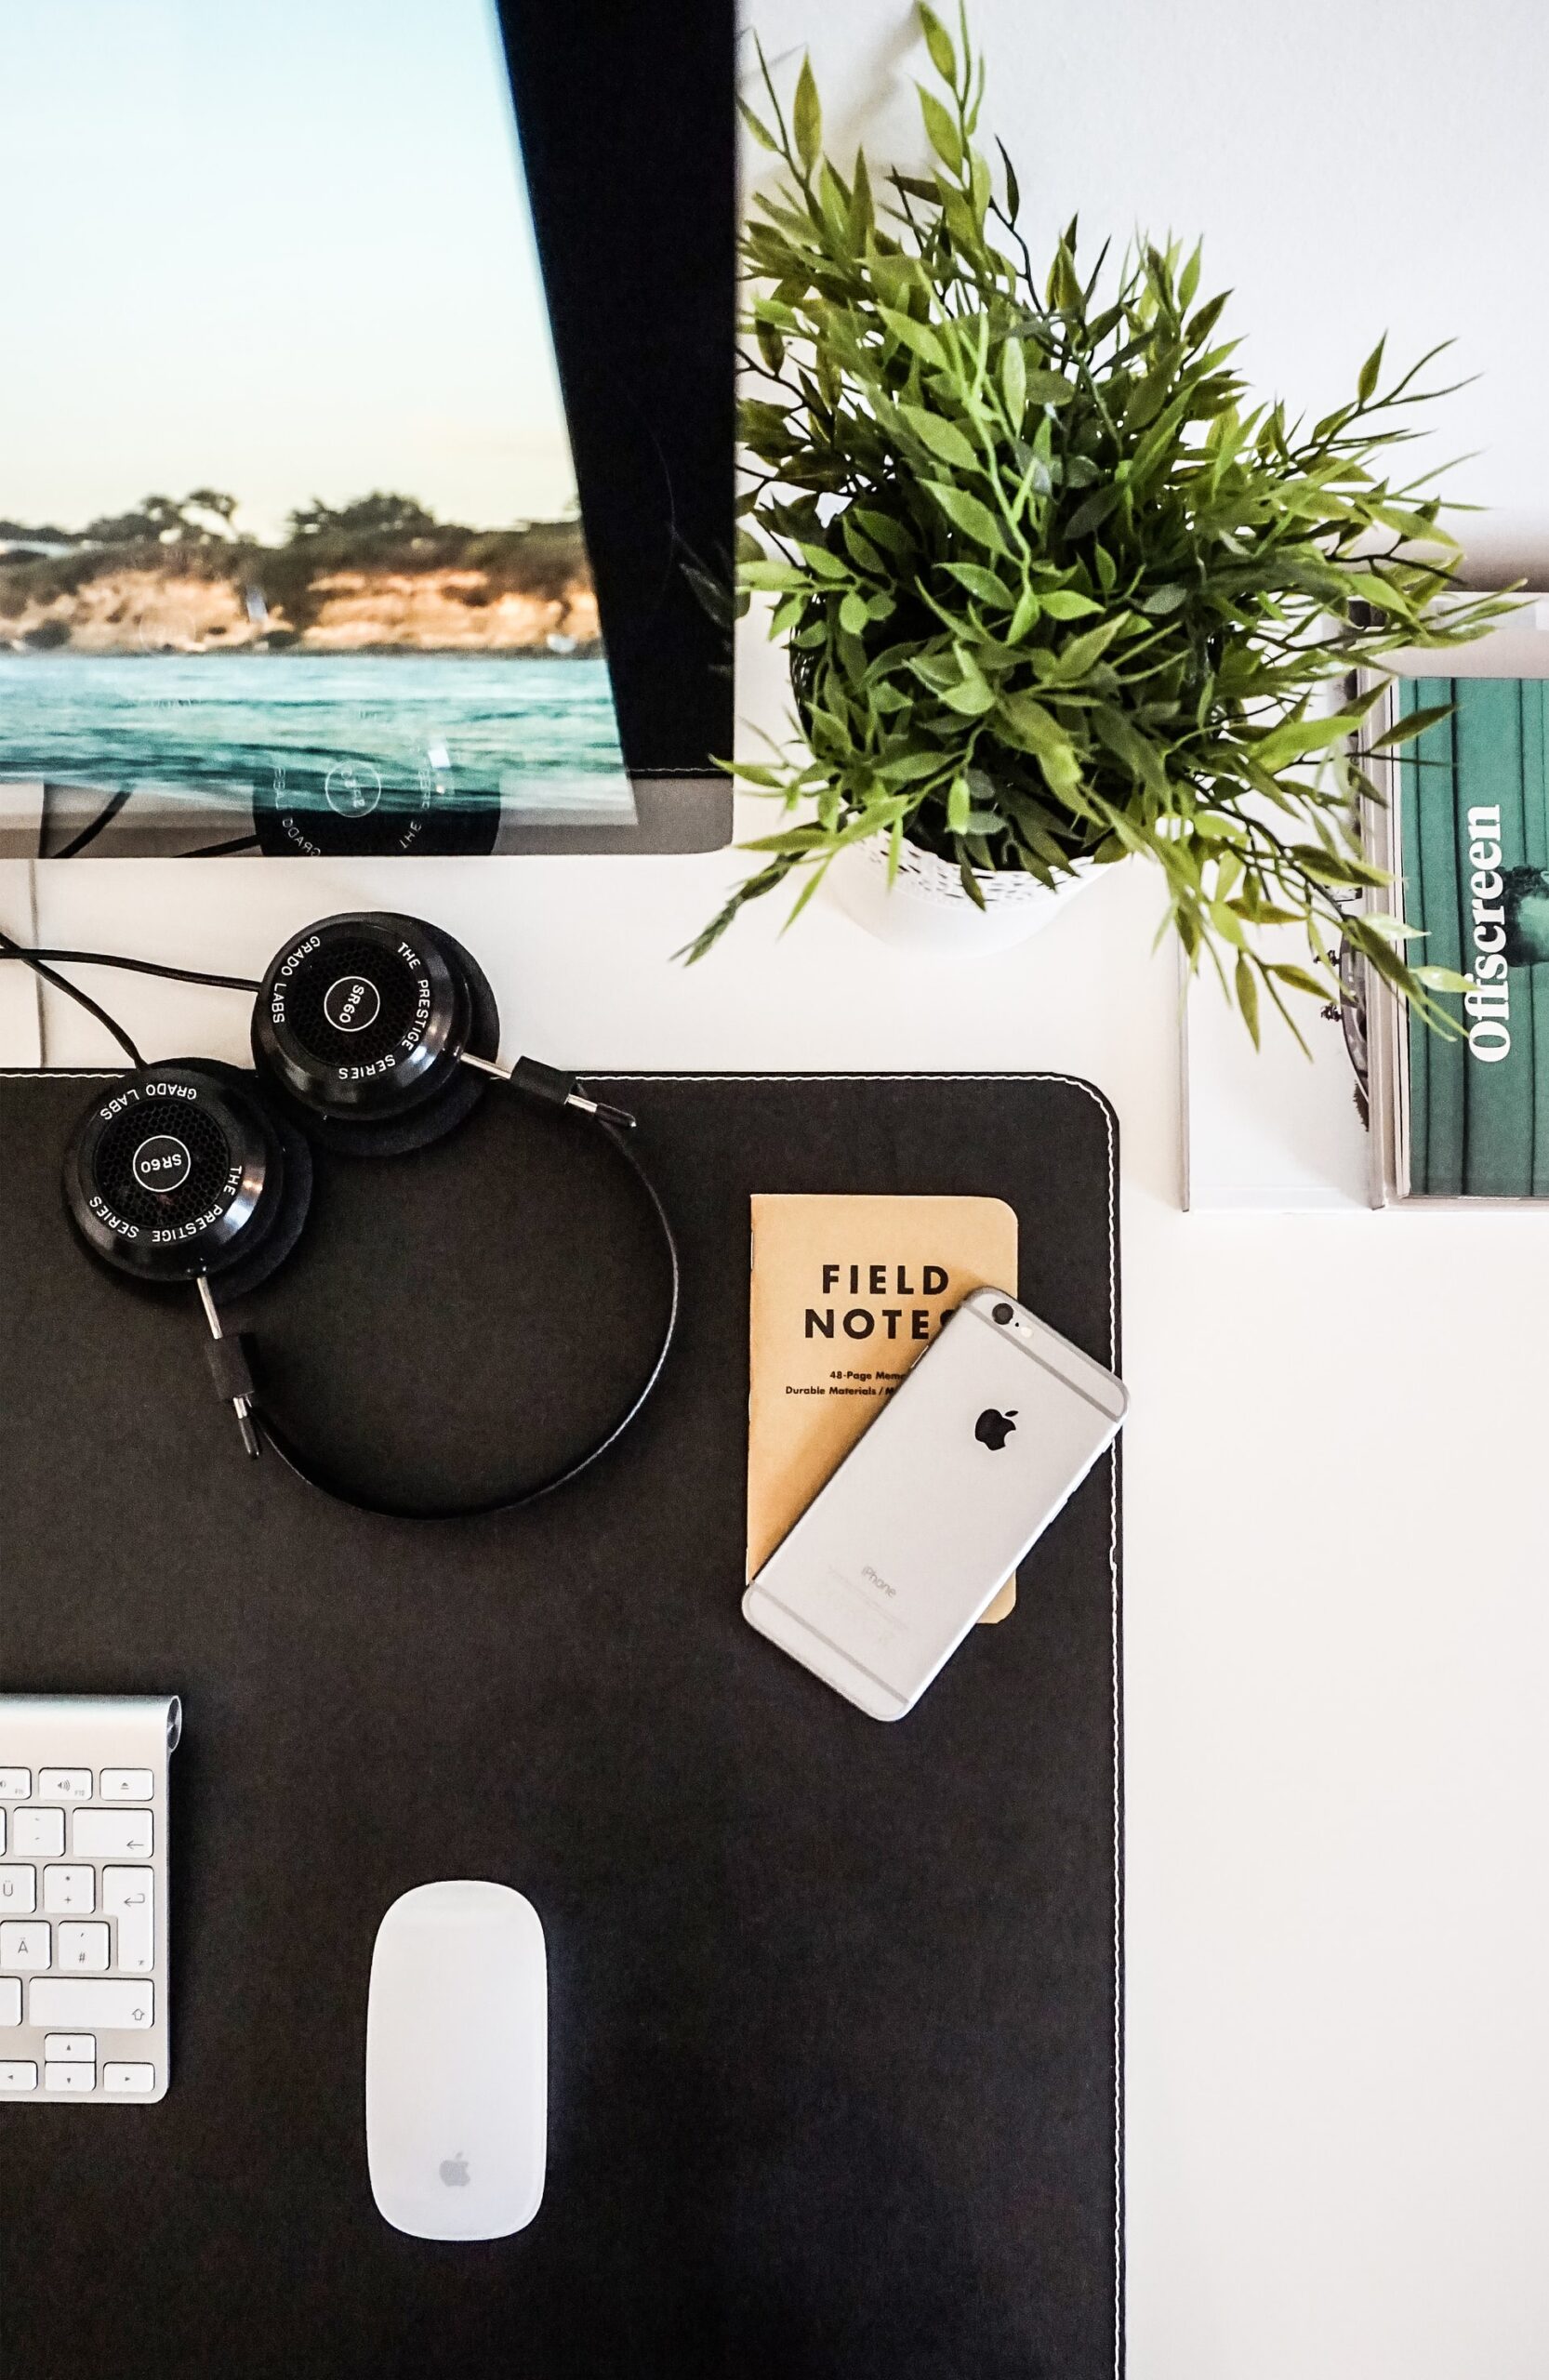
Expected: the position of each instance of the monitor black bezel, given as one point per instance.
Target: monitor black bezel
(628, 121)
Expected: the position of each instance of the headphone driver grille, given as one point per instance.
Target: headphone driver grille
(163, 1163)
(351, 1003)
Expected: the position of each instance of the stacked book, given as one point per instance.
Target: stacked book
(1467, 833)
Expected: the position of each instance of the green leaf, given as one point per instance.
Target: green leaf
(967, 513)
(1013, 380)
(1092, 511)
(944, 438)
(1048, 389)
(1366, 381)
(884, 530)
(1014, 193)
(1125, 740)
(807, 117)
(918, 336)
(861, 546)
(941, 132)
(981, 584)
(1037, 730)
(1075, 659)
(1205, 321)
(1301, 978)
(958, 806)
(1442, 979)
(772, 578)
(1297, 737)
(1415, 725)
(944, 57)
(1334, 867)
(908, 768)
(852, 613)
(1024, 618)
(823, 565)
(1064, 603)
(973, 698)
(1248, 997)
(760, 132)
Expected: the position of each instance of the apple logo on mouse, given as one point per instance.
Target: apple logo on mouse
(454, 2172)
(992, 1428)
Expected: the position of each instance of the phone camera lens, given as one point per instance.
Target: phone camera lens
(1002, 1312)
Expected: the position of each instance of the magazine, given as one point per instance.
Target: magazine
(1468, 837)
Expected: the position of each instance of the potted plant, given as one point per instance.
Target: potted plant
(1056, 591)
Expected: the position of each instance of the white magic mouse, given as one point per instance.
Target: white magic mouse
(457, 2062)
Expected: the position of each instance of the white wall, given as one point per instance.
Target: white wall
(1355, 166)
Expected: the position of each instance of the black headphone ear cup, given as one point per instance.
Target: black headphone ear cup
(413, 1128)
(184, 1168)
(249, 1270)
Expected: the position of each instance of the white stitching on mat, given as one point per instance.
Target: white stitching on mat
(83, 1074)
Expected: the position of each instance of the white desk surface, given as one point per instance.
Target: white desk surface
(1337, 1633)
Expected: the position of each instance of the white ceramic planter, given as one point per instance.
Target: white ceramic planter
(927, 910)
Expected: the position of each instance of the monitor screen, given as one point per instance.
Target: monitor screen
(291, 555)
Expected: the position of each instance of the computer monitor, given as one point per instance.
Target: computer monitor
(366, 436)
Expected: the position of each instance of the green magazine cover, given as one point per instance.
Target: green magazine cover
(1473, 839)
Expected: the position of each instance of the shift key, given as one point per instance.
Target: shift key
(110, 1834)
(77, 2004)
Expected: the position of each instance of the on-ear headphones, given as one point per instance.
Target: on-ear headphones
(373, 1035)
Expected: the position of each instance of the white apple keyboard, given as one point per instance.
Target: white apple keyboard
(83, 1895)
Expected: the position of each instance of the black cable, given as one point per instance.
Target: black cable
(94, 827)
(145, 967)
(40, 967)
(331, 1483)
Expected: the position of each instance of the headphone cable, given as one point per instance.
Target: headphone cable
(40, 967)
(133, 966)
(39, 960)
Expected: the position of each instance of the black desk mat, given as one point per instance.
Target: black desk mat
(835, 2006)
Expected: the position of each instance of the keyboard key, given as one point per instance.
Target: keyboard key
(17, 1892)
(77, 2004)
(125, 1785)
(129, 1894)
(10, 2001)
(37, 1834)
(80, 2048)
(69, 2078)
(19, 2076)
(128, 2075)
(16, 1784)
(64, 1784)
(24, 1946)
(70, 1892)
(109, 1835)
(84, 1946)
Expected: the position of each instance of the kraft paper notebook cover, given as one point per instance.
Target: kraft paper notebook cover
(847, 1293)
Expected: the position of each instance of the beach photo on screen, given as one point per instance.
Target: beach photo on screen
(288, 530)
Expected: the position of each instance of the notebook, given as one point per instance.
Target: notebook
(847, 1293)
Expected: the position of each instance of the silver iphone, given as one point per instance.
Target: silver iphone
(894, 1561)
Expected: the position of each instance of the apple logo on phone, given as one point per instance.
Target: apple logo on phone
(992, 1428)
(454, 2172)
